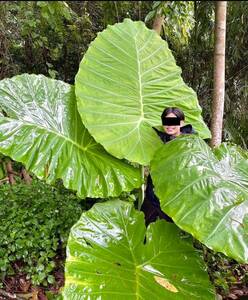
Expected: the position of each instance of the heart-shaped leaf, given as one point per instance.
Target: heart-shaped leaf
(126, 79)
(108, 259)
(44, 131)
(205, 193)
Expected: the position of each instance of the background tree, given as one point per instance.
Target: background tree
(219, 73)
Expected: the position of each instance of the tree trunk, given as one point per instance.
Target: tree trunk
(219, 73)
(10, 172)
(26, 176)
(158, 23)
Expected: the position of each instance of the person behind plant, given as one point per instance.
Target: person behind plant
(173, 124)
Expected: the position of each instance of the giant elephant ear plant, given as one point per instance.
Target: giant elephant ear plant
(44, 131)
(108, 259)
(205, 192)
(125, 80)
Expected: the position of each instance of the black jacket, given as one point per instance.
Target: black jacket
(187, 129)
(151, 205)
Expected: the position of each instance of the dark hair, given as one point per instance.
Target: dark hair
(176, 111)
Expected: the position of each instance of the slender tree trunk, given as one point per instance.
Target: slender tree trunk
(116, 10)
(140, 3)
(26, 176)
(10, 172)
(158, 23)
(219, 73)
(193, 78)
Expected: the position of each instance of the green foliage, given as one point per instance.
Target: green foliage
(52, 296)
(3, 171)
(178, 20)
(121, 92)
(43, 117)
(205, 192)
(224, 272)
(196, 61)
(50, 37)
(43, 37)
(34, 224)
(196, 58)
(117, 11)
(236, 98)
(107, 257)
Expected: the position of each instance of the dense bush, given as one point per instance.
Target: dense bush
(35, 221)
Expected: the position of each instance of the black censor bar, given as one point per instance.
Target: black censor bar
(171, 121)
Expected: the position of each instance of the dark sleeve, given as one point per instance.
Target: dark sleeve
(163, 136)
(159, 133)
(188, 129)
(149, 193)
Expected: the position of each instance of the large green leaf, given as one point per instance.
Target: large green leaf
(126, 79)
(206, 194)
(107, 258)
(44, 131)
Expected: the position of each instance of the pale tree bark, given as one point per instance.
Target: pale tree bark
(10, 172)
(219, 73)
(26, 176)
(158, 23)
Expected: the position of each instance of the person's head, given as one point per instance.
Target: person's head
(172, 127)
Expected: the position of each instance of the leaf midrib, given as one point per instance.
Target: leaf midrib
(139, 80)
(48, 130)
